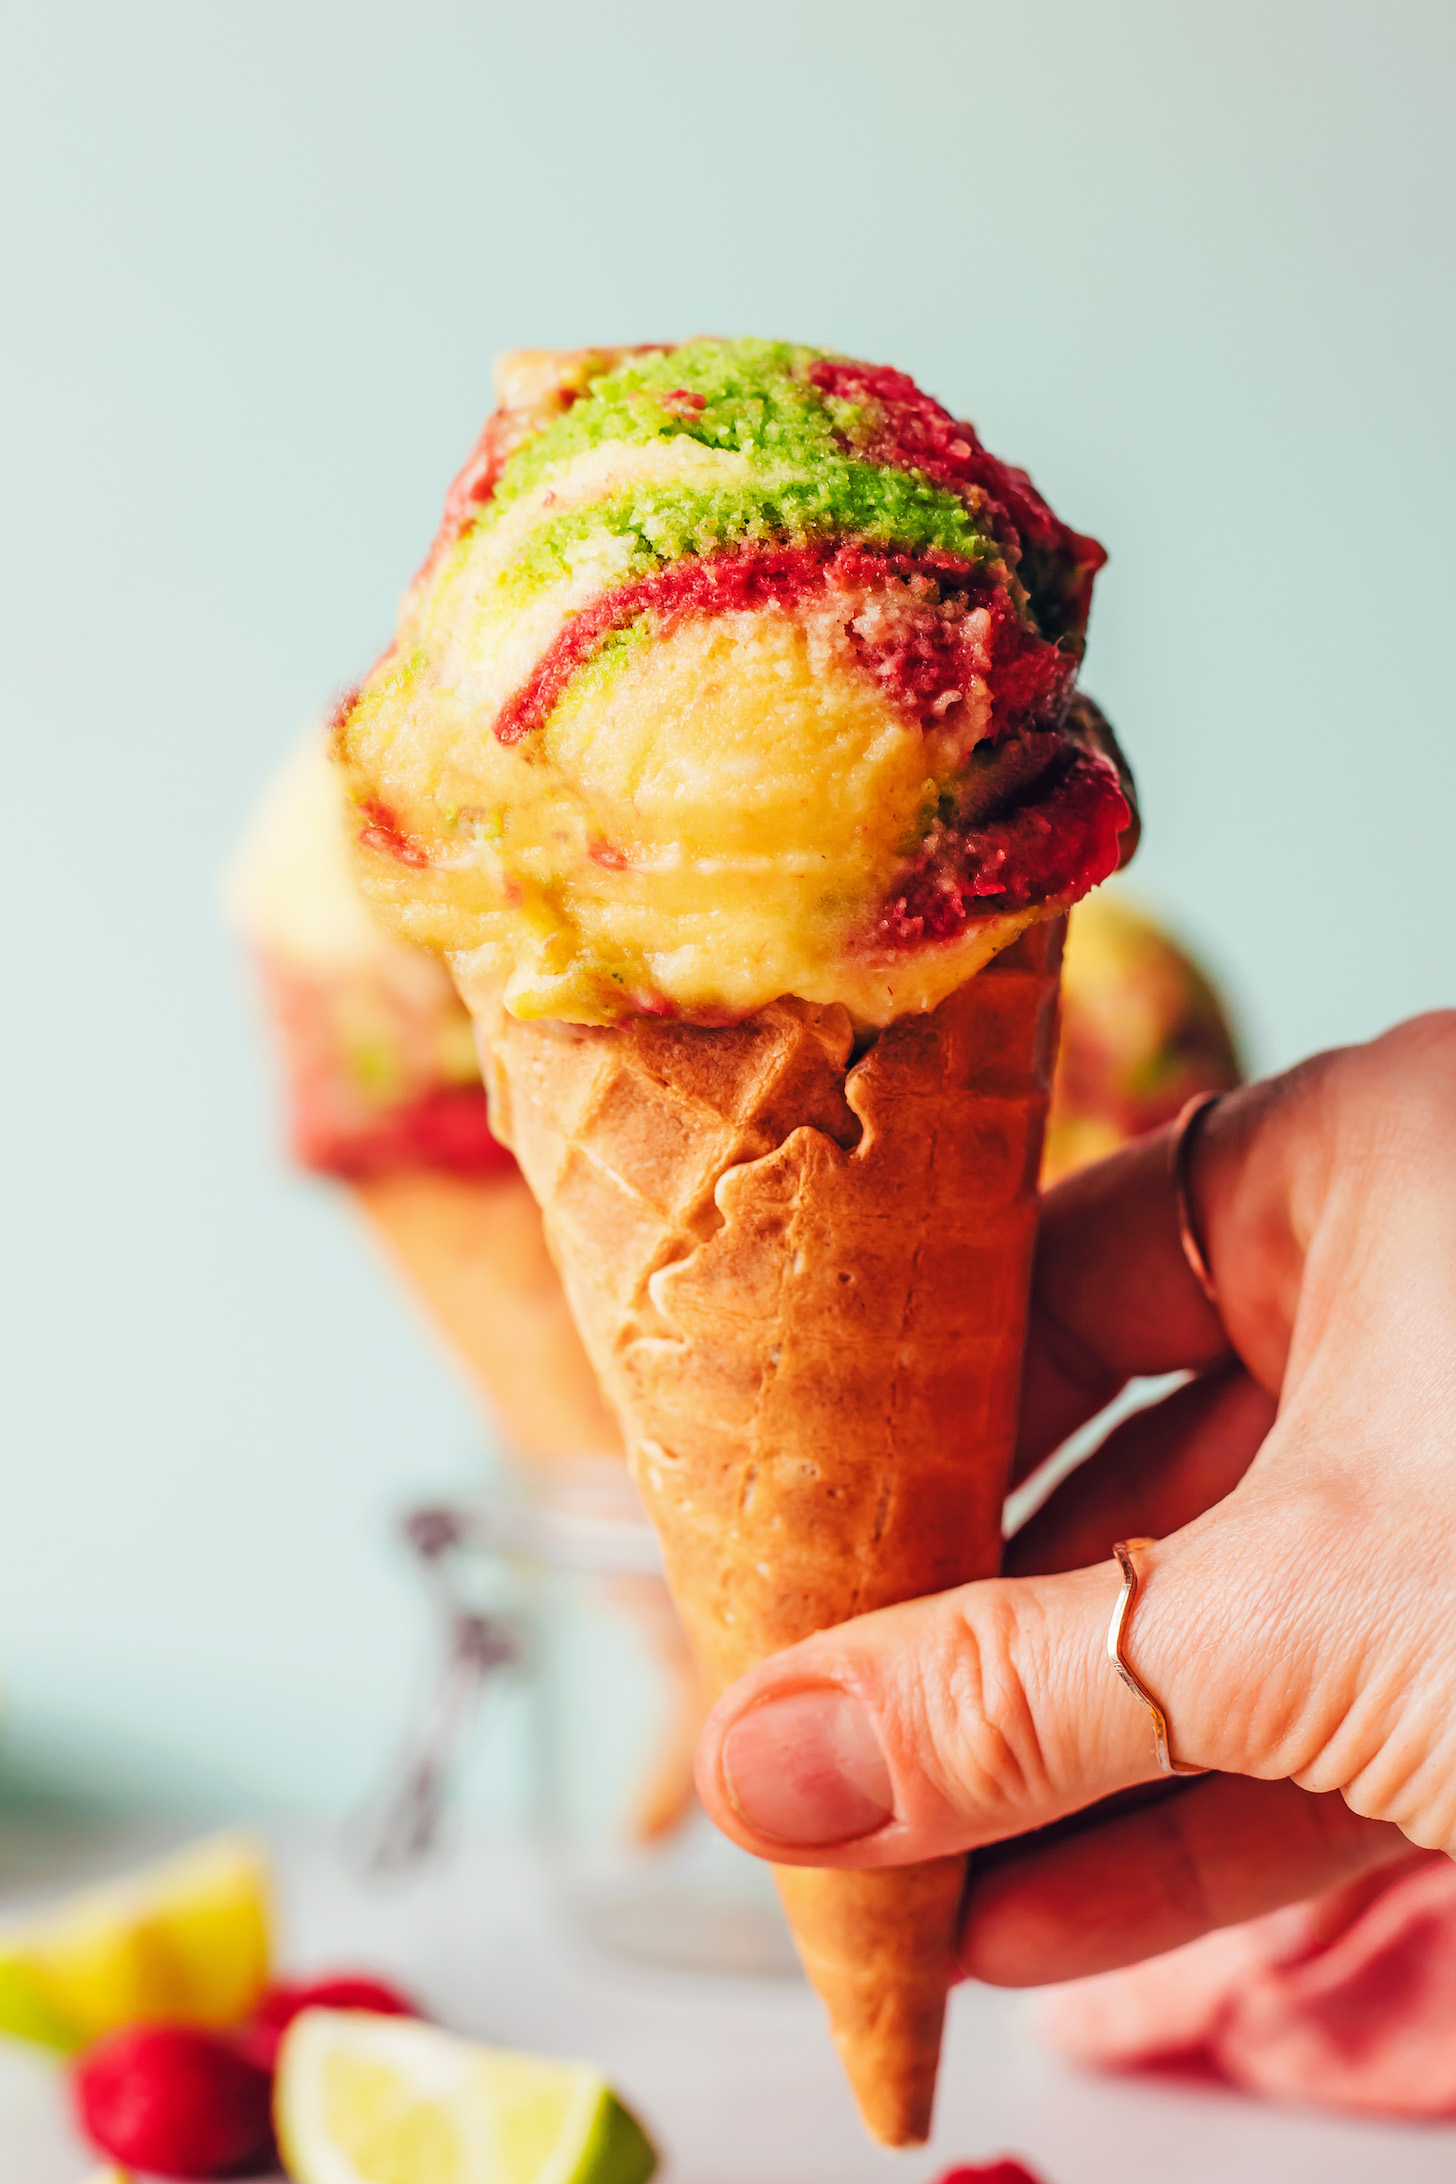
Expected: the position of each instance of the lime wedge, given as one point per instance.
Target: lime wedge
(185, 1940)
(383, 2100)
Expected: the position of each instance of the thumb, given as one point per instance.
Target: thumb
(977, 1714)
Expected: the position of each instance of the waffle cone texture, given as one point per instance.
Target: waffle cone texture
(472, 1252)
(802, 1278)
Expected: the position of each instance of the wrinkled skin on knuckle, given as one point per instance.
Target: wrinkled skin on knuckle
(1392, 1750)
(1416, 1790)
(971, 1720)
(1343, 1614)
(1372, 1391)
(1244, 1644)
(1394, 1755)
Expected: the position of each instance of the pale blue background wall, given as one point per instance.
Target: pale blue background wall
(1191, 264)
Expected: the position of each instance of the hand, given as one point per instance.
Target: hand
(1297, 1618)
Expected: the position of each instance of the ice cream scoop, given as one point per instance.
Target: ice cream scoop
(738, 669)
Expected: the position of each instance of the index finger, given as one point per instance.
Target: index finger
(1112, 1296)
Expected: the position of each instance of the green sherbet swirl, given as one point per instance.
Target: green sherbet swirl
(756, 400)
(805, 480)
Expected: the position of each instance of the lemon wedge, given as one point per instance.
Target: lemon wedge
(185, 1940)
(382, 2100)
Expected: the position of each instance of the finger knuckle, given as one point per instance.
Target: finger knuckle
(977, 1721)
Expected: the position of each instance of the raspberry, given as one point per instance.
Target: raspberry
(989, 2172)
(176, 2101)
(337, 1991)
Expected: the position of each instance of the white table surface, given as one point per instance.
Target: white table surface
(736, 2078)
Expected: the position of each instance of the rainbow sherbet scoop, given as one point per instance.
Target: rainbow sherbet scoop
(737, 669)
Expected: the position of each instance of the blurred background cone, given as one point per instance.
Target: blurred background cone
(384, 1098)
(1143, 1029)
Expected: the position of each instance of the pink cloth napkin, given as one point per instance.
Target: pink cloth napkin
(1348, 2001)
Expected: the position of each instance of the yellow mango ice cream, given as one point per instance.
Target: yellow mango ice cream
(737, 670)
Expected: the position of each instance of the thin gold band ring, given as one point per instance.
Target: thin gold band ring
(1116, 1631)
(1180, 1148)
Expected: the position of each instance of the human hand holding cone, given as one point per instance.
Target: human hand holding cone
(740, 775)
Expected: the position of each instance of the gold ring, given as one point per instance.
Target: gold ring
(1180, 1146)
(1123, 1551)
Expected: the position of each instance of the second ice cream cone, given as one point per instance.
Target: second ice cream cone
(472, 1251)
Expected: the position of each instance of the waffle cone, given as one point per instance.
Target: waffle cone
(473, 1254)
(803, 1281)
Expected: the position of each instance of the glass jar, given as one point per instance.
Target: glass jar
(554, 1577)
